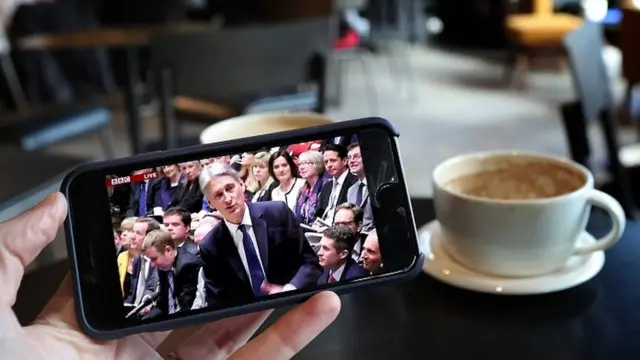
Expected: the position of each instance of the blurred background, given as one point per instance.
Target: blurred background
(84, 80)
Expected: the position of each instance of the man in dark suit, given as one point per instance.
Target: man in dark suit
(334, 192)
(258, 249)
(335, 255)
(358, 193)
(188, 195)
(138, 198)
(177, 274)
(177, 222)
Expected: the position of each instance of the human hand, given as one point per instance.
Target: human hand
(268, 288)
(55, 333)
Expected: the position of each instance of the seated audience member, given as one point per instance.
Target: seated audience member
(164, 188)
(283, 169)
(350, 215)
(177, 274)
(200, 232)
(188, 194)
(258, 250)
(138, 204)
(358, 193)
(335, 256)
(334, 192)
(371, 257)
(144, 279)
(177, 222)
(125, 258)
(266, 184)
(311, 169)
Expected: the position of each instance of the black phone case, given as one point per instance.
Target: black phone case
(223, 147)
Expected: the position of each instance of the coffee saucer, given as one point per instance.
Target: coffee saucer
(439, 265)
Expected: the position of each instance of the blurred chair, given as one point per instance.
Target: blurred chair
(630, 47)
(534, 34)
(39, 127)
(217, 74)
(591, 82)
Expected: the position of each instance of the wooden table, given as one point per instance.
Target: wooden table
(130, 39)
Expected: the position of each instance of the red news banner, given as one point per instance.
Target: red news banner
(131, 179)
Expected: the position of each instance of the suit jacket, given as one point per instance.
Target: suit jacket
(188, 196)
(134, 208)
(352, 195)
(190, 246)
(150, 285)
(351, 271)
(325, 193)
(185, 284)
(286, 256)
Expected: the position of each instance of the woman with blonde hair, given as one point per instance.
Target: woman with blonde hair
(264, 184)
(125, 258)
(311, 168)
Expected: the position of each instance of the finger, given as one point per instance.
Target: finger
(23, 237)
(294, 330)
(219, 339)
(60, 314)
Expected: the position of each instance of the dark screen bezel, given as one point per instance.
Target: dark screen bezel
(99, 283)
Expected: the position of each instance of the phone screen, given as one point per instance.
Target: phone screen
(213, 233)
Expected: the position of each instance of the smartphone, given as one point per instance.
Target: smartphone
(254, 246)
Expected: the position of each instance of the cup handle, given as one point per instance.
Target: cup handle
(619, 220)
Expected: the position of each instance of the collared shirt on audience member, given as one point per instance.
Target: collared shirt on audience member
(144, 279)
(335, 258)
(177, 273)
(264, 184)
(334, 192)
(139, 191)
(177, 222)
(350, 215)
(358, 193)
(283, 168)
(311, 168)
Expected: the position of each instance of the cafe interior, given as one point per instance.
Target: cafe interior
(87, 80)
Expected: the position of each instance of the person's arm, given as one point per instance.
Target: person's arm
(200, 301)
(189, 290)
(310, 270)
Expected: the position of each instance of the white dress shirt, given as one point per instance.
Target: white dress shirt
(236, 233)
(337, 273)
(201, 296)
(142, 279)
(333, 197)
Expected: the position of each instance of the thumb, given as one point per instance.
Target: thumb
(23, 238)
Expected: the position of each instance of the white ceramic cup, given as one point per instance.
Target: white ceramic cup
(259, 124)
(518, 238)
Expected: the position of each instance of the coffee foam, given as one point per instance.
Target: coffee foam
(514, 178)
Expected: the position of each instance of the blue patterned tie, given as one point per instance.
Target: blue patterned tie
(142, 199)
(255, 270)
(172, 300)
(360, 194)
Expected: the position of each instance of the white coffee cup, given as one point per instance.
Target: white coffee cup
(518, 238)
(261, 123)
